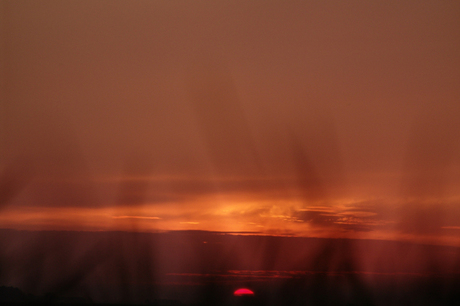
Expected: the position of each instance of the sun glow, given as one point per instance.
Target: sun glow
(339, 218)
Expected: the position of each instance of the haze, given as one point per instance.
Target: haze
(304, 118)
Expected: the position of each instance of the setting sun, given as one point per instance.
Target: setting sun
(243, 292)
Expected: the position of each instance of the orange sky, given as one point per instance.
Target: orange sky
(330, 119)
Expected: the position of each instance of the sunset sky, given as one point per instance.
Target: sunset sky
(304, 118)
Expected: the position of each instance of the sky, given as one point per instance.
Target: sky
(303, 118)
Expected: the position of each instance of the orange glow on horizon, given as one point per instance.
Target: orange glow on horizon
(342, 218)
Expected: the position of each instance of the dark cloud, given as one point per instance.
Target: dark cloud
(357, 217)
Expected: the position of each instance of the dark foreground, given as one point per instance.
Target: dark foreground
(203, 268)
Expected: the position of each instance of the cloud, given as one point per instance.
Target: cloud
(136, 190)
(355, 216)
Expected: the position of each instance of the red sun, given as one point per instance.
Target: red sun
(243, 292)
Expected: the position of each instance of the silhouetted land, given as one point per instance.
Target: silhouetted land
(204, 268)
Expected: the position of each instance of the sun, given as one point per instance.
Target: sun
(243, 292)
